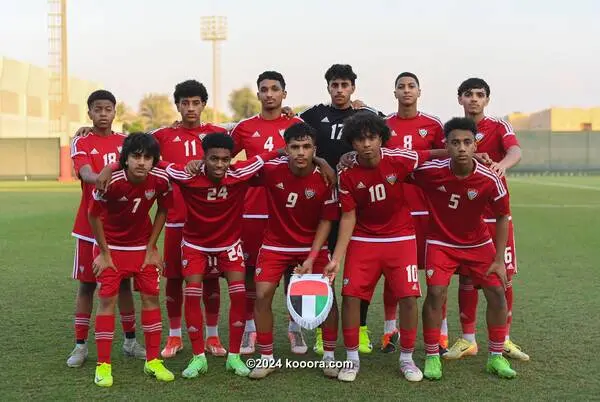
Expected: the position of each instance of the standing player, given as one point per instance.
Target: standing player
(378, 232)
(256, 135)
(497, 138)
(328, 120)
(301, 208)
(90, 153)
(458, 190)
(126, 247)
(410, 129)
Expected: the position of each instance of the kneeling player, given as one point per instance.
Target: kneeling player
(301, 208)
(126, 247)
(458, 190)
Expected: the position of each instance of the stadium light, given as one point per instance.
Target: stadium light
(214, 29)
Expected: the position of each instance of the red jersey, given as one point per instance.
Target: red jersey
(422, 132)
(377, 194)
(256, 135)
(124, 208)
(456, 205)
(97, 151)
(181, 145)
(296, 206)
(214, 210)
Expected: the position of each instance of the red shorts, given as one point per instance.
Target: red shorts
(253, 232)
(82, 263)
(366, 261)
(510, 254)
(196, 262)
(442, 262)
(271, 265)
(421, 223)
(128, 264)
(172, 252)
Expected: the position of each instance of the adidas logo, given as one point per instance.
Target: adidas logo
(442, 188)
(361, 185)
(237, 324)
(256, 134)
(325, 120)
(123, 198)
(119, 149)
(279, 186)
(177, 139)
(393, 134)
(94, 152)
(415, 287)
(192, 329)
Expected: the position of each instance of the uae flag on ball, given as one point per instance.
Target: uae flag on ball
(309, 299)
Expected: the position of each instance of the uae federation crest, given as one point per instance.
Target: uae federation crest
(149, 194)
(471, 193)
(478, 137)
(391, 178)
(309, 193)
(422, 132)
(309, 299)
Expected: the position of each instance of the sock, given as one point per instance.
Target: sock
(267, 357)
(364, 309)
(237, 313)
(105, 328)
(250, 325)
(174, 296)
(469, 337)
(264, 343)
(293, 326)
(329, 339)
(390, 305)
(444, 329)
(407, 343)
(212, 331)
(509, 305)
(250, 300)
(192, 294)
(211, 295)
(128, 323)
(82, 327)
(496, 339)
(351, 343)
(328, 353)
(468, 297)
(389, 326)
(431, 338)
(152, 325)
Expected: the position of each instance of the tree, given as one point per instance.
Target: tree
(299, 109)
(131, 122)
(209, 115)
(156, 110)
(244, 103)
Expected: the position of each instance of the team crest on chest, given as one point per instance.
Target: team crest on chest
(391, 178)
(149, 194)
(471, 193)
(479, 137)
(422, 132)
(309, 193)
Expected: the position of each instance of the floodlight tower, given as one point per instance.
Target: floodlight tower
(58, 88)
(214, 29)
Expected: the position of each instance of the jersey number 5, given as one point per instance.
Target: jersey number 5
(454, 201)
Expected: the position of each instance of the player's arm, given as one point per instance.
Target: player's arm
(87, 175)
(152, 255)
(511, 148)
(321, 236)
(103, 260)
(82, 162)
(347, 223)
(327, 172)
(499, 201)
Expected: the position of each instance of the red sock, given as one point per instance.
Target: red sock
(408, 338)
(211, 295)
(128, 321)
(509, 305)
(237, 313)
(468, 297)
(431, 337)
(192, 294)
(105, 328)
(264, 342)
(152, 325)
(174, 295)
(250, 300)
(390, 303)
(329, 338)
(82, 326)
(350, 339)
(496, 337)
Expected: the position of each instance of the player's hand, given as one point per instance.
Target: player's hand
(499, 269)
(357, 104)
(288, 112)
(484, 158)
(327, 173)
(153, 258)
(305, 268)
(83, 131)
(331, 270)
(347, 160)
(498, 169)
(194, 167)
(101, 262)
(175, 124)
(103, 179)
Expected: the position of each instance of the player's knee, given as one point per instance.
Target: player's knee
(407, 303)
(149, 302)
(495, 298)
(436, 295)
(106, 305)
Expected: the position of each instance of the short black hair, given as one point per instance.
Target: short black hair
(361, 123)
(407, 74)
(340, 71)
(101, 94)
(459, 123)
(299, 131)
(271, 75)
(139, 143)
(474, 83)
(217, 140)
(189, 89)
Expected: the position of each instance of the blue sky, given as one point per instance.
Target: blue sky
(533, 53)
